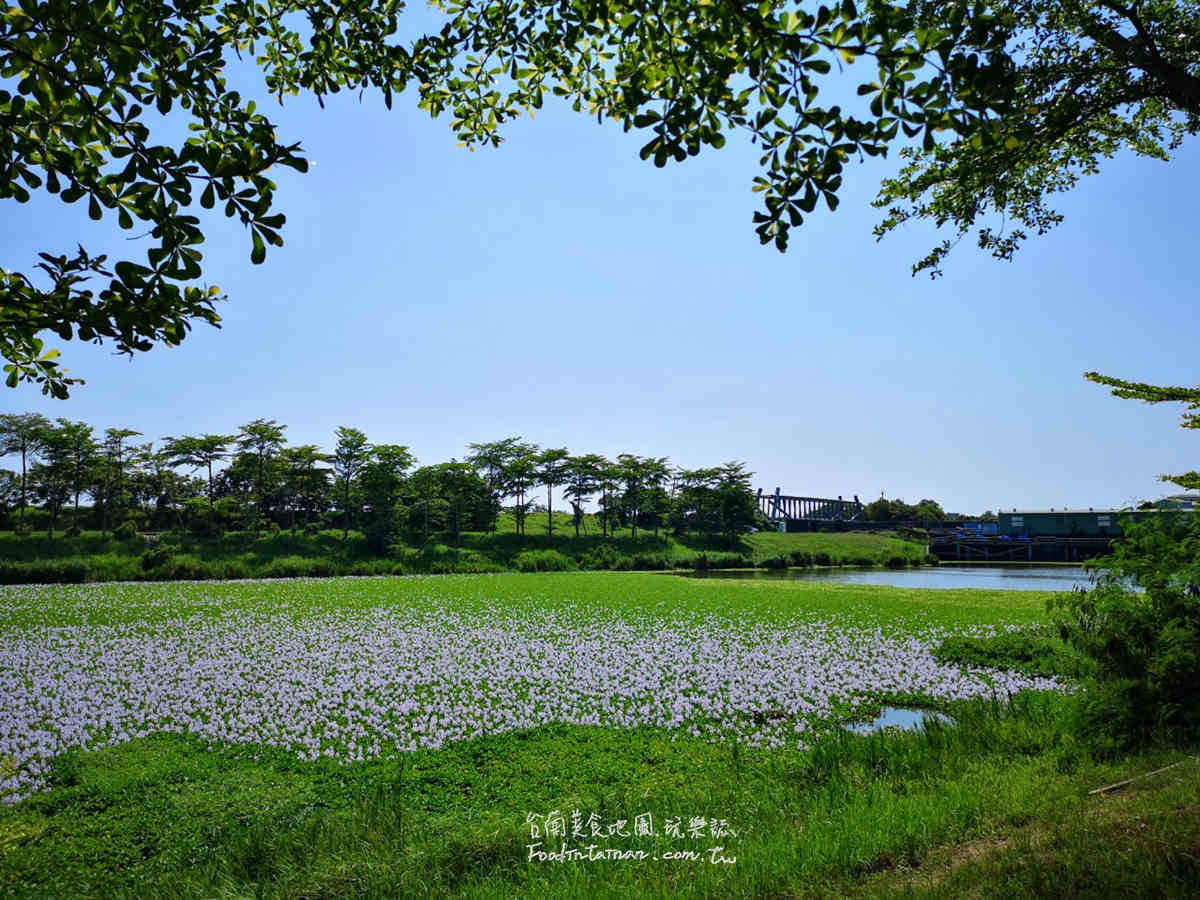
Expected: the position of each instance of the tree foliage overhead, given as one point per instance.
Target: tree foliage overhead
(999, 105)
(1092, 77)
(686, 72)
(83, 86)
(1150, 393)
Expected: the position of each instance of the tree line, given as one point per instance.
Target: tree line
(896, 510)
(253, 479)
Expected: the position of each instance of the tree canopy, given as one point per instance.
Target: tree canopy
(254, 479)
(995, 106)
(1090, 78)
(1151, 393)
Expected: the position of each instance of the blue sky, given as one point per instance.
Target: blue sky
(561, 289)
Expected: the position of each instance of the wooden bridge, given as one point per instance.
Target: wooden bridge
(802, 513)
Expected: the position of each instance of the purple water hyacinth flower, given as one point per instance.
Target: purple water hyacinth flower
(356, 684)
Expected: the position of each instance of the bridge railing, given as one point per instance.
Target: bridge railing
(779, 506)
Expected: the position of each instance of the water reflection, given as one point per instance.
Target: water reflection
(1012, 577)
(899, 717)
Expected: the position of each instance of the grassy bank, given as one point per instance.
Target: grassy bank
(166, 816)
(995, 805)
(92, 557)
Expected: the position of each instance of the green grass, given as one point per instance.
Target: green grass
(91, 557)
(840, 544)
(165, 815)
(1140, 841)
(1035, 651)
(611, 593)
(172, 816)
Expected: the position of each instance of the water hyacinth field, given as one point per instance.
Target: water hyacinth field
(405, 736)
(357, 669)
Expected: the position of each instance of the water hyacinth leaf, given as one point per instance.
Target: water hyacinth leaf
(355, 669)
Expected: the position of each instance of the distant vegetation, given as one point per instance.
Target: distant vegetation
(249, 505)
(92, 556)
(208, 485)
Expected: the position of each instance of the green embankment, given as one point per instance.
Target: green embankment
(996, 806)
(94, 557)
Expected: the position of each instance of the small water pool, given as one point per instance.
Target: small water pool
(899, 717)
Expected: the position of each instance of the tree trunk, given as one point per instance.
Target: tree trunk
(22, 485)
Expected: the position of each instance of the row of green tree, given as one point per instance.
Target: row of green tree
(896, 510)
(254, 479)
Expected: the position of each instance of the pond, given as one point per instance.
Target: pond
(1011, 577)
(899, 717)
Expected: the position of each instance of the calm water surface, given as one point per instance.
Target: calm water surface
(1010, 577)
(899, 717)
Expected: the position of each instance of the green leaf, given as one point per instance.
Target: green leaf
(259, 252)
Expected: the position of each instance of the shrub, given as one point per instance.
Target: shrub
(729, 561)
(1034, 651)
(604, 556)
(650, 562)
(58, 571)
(188, 568)
(895, 561)
(822, 559)
(73, 531)
(138, 519)
(322, 568)
(775, 562)
(1146, 645)
(206, 528)
(157, 557)
(801, 558)
(543, 561)
(288, 567)
(126, 531)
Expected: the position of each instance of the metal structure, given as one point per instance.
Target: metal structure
(1005, 548)
(1054, 535)
(782, 509)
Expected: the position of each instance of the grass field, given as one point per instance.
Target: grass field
(643, 715)
(92, 557)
